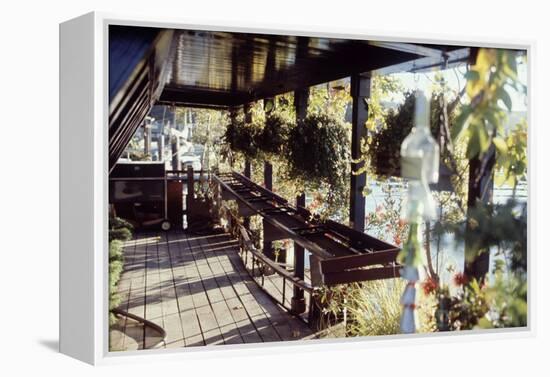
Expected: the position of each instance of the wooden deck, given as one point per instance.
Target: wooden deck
(197, 289)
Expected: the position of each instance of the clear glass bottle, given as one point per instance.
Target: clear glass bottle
(420, 163)
(420, 166)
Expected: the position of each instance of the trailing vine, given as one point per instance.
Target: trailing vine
(318, 155)
(262, 138)
(312, 156)
(273, 137)
(242, 138)
(384, 144)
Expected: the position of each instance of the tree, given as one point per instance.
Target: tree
(490, 146)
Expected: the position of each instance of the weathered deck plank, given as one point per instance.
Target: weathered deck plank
(198, 290)
(170, 306)
(187, 299)
(246, 294)
(230, 312)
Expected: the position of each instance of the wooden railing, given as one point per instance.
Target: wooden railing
(271, 276)
(339, 254)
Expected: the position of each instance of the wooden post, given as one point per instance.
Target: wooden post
(247, 166)
(190, 194)
(480, 190)
(174, 141)
(160, 145)
(360, 92)
(146, 138)
(268, 176)
(247, 119)
(233, 119)
(298, 303)
(269, 105)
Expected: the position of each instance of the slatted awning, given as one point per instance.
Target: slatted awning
(222, 69)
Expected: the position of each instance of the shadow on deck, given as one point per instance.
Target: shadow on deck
(197, 289)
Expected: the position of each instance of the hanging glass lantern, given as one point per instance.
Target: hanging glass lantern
(420, 166)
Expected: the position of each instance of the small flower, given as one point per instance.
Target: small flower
(460, 279)
(429, 286)
(397, 240)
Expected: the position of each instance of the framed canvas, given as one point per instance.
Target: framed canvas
(229, 187)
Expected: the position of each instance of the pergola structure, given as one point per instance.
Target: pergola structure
(228, 70)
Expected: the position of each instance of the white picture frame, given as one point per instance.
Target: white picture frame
(84, 186)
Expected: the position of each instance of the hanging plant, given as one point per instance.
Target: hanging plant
(384, 145)
(318, 154)
(242, 138)
(274, 135)
(259, 138)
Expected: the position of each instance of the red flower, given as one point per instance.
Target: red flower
(429, 285)
(460, 279)
(397, 240)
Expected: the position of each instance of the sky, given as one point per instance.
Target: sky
(455, 79)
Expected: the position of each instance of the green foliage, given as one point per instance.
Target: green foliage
(116, 263)
(139, 156)
(120, 229)
(481, 121)
(499, 305)
(115, 270)
(503, 301)
(386, 222)
(507, 299)
(503, 226)
(115, 250)
(384, 144)
(382, 89)
(371, 308)
(208, 130)
(262, 139)
(330, 98)
(512, 156)
(117, 222)
(274, 135)
(464, 310)
(318, 155)
(208, 125)
(275, 138)
(120, 234)
(242, 137)
(411, 253)
(318, 148)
